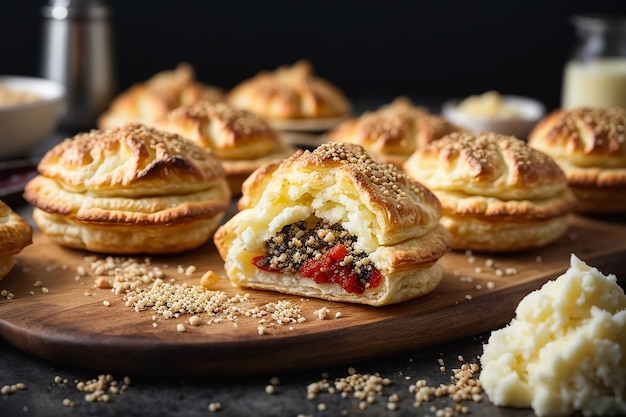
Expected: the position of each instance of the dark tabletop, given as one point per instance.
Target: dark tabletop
(44, 393)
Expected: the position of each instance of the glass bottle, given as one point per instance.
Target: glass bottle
(595, 76)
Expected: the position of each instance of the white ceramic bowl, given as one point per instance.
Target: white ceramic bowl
(529, 110)
(24, 126)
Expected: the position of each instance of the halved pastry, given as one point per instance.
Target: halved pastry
(497, 193)
(150, 100)
(15, 235)
(290, 97)
(335, 224)
(393, 132)
(241, 140)
(589, 144)
(129, 190)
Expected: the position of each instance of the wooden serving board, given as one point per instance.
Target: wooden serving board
(65, 325)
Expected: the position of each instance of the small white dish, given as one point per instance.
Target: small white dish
(23, 126)
(529, 112)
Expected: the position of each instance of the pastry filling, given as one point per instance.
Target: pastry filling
(323, 252)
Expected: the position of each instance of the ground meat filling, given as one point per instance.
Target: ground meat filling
(323, 252)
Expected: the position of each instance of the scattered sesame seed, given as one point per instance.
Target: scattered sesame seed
(180, 327)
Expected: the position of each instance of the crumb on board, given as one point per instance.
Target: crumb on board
(209, 279)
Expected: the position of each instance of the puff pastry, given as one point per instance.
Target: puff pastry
(129, 190)
(589, 144)
(241, 140)
(290, 92)
(497, 193)
(15, 235)
(393, 132)
(148, 101)
(335, 224)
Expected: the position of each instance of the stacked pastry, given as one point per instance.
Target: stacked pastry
(589, 144)
(291, 97)
(393, 132)
(15, 235)
(146, 102)
(497, 193)
(129, 190)
(241, 140)
(335, 224)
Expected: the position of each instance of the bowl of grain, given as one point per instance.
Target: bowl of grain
(493, 112)
(30, 109)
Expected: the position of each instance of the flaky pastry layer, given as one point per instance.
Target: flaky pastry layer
(133, 160)
(148, 101)
(241, 140)
(496, 193)
(590, 146)
(132, 189)
(486, 164)
(128, 239)
(15, 235)
(15, 232)
(393, 132)
(290, 92)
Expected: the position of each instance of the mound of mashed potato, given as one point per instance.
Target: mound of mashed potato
(565, 350)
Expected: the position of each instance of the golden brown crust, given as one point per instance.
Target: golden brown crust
(15, 235)
(104, 190)
(589, 144)
(290, 92)
(147, 102)
(497, 193)
(402, 206)
(242, 140)
(393, 132)
(394, 220)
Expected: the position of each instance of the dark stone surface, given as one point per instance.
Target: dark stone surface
(240, 396)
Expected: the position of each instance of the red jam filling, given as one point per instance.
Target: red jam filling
(328, 269)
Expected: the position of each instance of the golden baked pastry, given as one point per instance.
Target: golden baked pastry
(129, 190)
(288, 93)
(497, 193)
(241, 140)
(335, 224)
(148, 101)
(393, 132)
(15, 235)
(589, 144)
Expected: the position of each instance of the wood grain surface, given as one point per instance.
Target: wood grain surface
(70, 324)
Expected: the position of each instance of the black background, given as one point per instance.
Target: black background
(377, 49)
